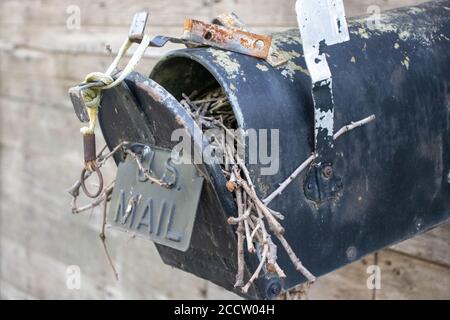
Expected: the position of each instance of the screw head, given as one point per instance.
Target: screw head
(273, 289)
(351, 253)
(327, 172)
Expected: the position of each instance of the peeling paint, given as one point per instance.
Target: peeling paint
(416, 10)
(155, 91)
(365, 47)
(406, 63)
(294, 54)
(262, 67)
(353, 60)
(396, 46)
(291, 37)
(223, 59)
(236, 109)
(325, 121)
(287, 37)
(404, 35)
(388, 24)
(290, 68)
(363, 33)
(443, 36)
(179, 120)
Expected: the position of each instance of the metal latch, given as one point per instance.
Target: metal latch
(322, 23)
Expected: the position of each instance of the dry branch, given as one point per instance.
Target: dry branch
(240, 242)
(103, 234)
(311, 158)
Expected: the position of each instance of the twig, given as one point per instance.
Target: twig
(353, 125)
(89, 206)
(272, 259)
(102, 159)
(242, 165)
(240, 242)
(258, 270)
(103, 234)
(146, 172)
(255, 231)
(274, 225)
(295, 260)
(286, 182)
(250, 246)
(311, 158)
(236, 220)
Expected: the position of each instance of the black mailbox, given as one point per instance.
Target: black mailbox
(392, 176)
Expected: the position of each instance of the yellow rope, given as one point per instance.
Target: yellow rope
(92, 96)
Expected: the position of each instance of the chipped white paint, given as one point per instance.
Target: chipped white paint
(404, 35)
(362, 33)
(396, 46)
(236, 109)
(416, 10)
(325, 120)
(406, 63)
(290, 68)
(262, 67)
(443, 36)
(320, 22)
(223, 59)
(407, 31)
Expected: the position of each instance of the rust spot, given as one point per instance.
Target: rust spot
(179, 120)
(228, 21)
(188, 25)
(231, 186)
(232, 39)
(245, 43)
(156, 94)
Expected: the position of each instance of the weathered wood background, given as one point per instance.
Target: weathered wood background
(40, 58)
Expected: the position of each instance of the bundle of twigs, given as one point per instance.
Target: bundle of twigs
(256, 223)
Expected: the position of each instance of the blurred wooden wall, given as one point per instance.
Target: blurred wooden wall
(41, 56)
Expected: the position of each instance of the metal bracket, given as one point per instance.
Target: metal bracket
(322, 23)
(76, 96)
(231, 20)
(322, 183)
(137, 28)
(227, 35)
(232, 39)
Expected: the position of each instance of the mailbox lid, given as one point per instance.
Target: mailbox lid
(140, 110)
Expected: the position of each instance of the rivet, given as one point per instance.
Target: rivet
(351, 253)
(327, 172)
